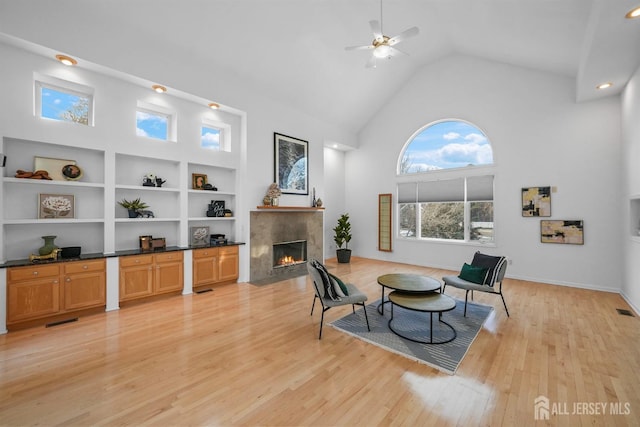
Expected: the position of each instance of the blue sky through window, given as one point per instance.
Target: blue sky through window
(54, 103)
(210, 138)
(445, 145)
(152, 125)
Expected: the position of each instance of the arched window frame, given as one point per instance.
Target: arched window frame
(474, 192)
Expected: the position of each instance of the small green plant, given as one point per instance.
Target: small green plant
(342, 232)
(133, 205)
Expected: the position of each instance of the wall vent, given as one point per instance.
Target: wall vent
(624, 312)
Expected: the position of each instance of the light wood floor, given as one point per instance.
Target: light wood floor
(248, 355)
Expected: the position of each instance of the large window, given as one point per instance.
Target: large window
(459, 209)
(455, 209)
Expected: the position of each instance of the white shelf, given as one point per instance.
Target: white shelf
(143, 188)
(212, 218)
(53, 221)
(143, 220)
(211, 193)
(28, 181)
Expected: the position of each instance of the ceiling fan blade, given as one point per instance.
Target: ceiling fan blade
(367, 47)
(413, 31)
(377, 30)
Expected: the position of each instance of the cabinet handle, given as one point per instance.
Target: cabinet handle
(84, 267)
(35, 273)
(55, 282)
(137, 261)
(67, 279)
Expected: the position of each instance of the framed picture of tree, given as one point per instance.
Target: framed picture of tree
(291, 170)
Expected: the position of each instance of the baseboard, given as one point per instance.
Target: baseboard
(633, 307)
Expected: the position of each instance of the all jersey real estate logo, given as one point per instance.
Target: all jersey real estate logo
(543, 408)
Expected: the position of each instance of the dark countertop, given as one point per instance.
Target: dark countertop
(83, 257)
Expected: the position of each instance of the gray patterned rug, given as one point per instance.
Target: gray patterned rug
(445, 357)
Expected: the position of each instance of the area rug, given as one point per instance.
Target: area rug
(445, 357)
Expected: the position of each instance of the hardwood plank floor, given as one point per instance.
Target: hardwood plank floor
(248, 355)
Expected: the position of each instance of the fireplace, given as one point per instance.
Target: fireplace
(299, 233)
(286, 254)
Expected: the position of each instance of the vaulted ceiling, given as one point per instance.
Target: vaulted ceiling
(293, 50)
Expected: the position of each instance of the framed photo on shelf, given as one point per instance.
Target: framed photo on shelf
(199, 180)
(569, 232)
(56, 206)
(199, 236)
(291, 169)
(536, 201)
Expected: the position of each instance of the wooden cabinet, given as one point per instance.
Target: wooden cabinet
(215, 265)
(150, 274)
(84, 284)
(45, 291)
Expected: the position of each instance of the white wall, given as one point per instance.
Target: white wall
(631, 157)
(333, 196)
(540, 137)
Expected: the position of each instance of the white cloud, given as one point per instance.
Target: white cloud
(211, 138)
(451, 135)
(57, 101)
(475, 138)
(141, 132)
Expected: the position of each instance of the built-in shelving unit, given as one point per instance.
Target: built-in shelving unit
(100, 224)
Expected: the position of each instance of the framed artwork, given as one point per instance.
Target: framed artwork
(536, 201)
(56, 206)
(199, 180)
(562, 231)
(199, 236)
(53, 166)
(291, 171)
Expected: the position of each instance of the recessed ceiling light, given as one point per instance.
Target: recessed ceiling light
(606, 85)
(214, 106)
(66, 60)
(633, 13)
(159, 89)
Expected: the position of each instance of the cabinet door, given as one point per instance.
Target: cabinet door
(205, 266)
(136, 282)
(228, 263)
(84, 290)
(31, 299)
(169, 277)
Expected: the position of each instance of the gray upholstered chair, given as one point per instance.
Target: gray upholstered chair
(496, 267)
(354, 296)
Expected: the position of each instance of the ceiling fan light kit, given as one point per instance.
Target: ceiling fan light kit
(382, 46)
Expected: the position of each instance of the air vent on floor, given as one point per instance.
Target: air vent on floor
(624, 312)
(202, 291)
(61, 322)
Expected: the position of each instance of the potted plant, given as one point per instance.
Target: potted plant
(133, 206)
(342, 236)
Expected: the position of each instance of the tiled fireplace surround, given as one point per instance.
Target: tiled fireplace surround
(272, 226)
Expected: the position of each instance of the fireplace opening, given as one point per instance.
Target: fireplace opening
(289, 253)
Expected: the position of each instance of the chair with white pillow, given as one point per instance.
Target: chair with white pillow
(331, 294)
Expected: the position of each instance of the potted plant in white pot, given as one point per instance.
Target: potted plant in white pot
(342, 236)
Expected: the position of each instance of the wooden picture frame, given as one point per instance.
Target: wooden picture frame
(291, 165)
(384, 222)
(56, 206)
(536, 201)
(569, 232)
(198, 181)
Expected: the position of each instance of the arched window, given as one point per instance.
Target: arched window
(458, 207)
(445, 144)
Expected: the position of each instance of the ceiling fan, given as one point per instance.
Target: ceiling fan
(383, 46)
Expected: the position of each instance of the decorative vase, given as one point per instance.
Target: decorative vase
(319, 202)
(49, 246)
(133, 213)
(274, 201)
(266, 201)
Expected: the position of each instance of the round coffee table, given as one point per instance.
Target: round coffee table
(408, 283)
(431, 303)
